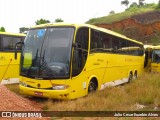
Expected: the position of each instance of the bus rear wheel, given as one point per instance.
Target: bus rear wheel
(135, 75)
(130, 78)
(92, 86)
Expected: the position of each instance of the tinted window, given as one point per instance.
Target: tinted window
(47, 52)
(0, 43)
(96, 41)
(123, 47)
(156, 56)
(15, 40)
(9, 43)
(82, 38)
(107, 42)
(103, 42)
(80, 51)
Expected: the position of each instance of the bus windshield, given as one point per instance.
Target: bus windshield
(46, 53)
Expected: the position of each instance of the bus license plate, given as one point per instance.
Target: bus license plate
(38, 93)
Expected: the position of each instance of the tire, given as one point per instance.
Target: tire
(130, 78)
(135, 75)
(92, 87)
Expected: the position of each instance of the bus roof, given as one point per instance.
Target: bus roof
(148, 46)
(13, 34)
(87, 25)
(156, 47)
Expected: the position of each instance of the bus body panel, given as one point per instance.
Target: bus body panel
(155, 67)
(153, 58)
(9, 67)
(56, 94)
(155, 64)
(101, 69)
(116, 68)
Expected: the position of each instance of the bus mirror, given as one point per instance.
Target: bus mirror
(16, 48)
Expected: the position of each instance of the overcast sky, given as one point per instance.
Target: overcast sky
(23, 13)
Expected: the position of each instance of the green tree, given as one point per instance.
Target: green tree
(2, 29)
(141, 3)
(23, 29)
(134, 4)
(42, 21)
(158, 3)
(58, 20)
(125, 2)
(111, 12)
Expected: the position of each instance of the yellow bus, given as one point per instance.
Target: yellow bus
(67, 61)
(9, 67)
(155, 63)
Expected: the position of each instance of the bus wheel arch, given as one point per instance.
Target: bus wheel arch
(92, 85)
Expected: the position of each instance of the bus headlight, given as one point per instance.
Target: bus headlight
(59, 87)
(23, 84)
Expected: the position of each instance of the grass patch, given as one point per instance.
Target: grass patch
(124, 15)
(144, 91)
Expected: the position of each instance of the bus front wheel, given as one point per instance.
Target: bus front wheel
(92, 86)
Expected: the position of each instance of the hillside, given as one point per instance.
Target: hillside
(142, 24)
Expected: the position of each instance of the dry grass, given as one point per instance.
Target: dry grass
(143, 91)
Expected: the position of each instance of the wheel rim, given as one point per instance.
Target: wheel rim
(135, 76)
(130, 77)
(92, 87)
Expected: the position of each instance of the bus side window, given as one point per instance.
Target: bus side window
(15, 40)
(96, 41)
(116, 43)
(7, 43)
(107, 42)
(123, 47)
(157, 58)
(0, 43)
(81, 51)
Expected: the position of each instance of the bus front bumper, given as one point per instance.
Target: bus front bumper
(54, 94)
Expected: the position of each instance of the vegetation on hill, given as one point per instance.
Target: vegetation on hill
(131, 11)
(140, 22)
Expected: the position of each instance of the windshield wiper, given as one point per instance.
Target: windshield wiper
(42, 68)
(33, 63)
(45, 68)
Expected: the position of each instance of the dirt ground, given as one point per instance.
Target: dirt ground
(10, 101)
